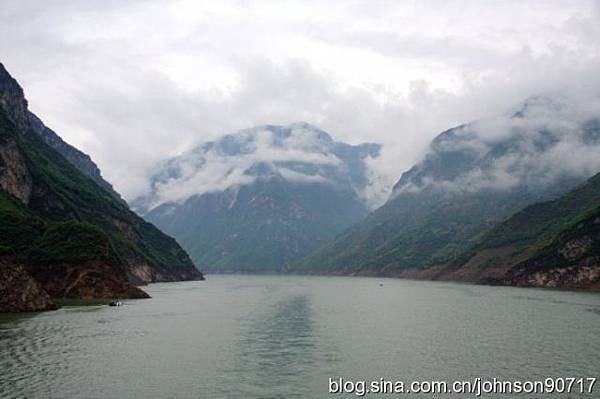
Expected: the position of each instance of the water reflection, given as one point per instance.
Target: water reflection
(282, 337)
(277, 351)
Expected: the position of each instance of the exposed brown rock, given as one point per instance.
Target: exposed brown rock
(52, 198)
(577, 276)
(141, 273)
(576, 247)
(14, 175)
(19, 292)
(88, 280)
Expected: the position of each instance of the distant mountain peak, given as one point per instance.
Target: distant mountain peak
(541, 104)
(298, 152)
(257, 199)
(521, 149)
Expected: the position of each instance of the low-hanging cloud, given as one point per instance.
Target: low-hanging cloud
(298, 153)
(548, 138)
(134, 82)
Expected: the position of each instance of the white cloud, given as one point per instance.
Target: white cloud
(294, 176)
(542, 142)
(133, 82)
(302, 155)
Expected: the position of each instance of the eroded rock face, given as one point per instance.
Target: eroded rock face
(572, 260)
(79, 159)
(12, 99)
(578, 276)
(576, 247)
(14, 175)
(88, 280)
(19, 292)
(141, 273)
(28, 288)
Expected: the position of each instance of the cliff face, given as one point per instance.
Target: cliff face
(14, 175)
(79, 159)
(12, 100)
(19, 291)
(92, 279)
(71, 233)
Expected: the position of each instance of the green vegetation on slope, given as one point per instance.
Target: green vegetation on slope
(537, 225)
(63, 193)
(297, 189)
(441, 206)
(571, 259)
(586, 230)
(71, 241)
(414, 230)
(260, 227)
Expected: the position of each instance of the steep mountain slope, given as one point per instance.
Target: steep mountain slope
(258, 199)
(73, 236)
(80, 160)
(474, 176)
(19, 291)
(522, 234)
(508, 251)
(571, 260)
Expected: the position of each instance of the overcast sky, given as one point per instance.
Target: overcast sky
(133, 82)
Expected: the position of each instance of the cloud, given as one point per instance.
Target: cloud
(134, 82)
(547, 139)
(294, 176)
(298, 153)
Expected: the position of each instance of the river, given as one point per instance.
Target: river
(244, 336)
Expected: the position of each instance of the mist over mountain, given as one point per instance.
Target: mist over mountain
(260, 198)
(472, 177)
(546, 139)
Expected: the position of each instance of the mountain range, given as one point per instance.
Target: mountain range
(259, 199)
(64, 232)
(473, 177)
(512, 200)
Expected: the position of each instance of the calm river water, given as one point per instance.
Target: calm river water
(285, 336)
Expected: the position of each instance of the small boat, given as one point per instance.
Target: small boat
(381, 284)
(115, 303)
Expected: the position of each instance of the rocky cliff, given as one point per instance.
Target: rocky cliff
(72, 234)
(79, 159)
(19, 291)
